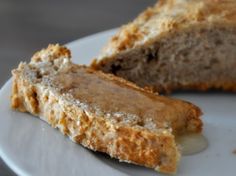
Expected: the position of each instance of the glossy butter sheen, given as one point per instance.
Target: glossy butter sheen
(120, 102)
(192, 143)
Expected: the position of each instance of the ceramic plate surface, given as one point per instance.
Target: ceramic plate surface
(31, 147)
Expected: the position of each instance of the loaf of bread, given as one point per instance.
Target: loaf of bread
(176, 45)
(103, 112)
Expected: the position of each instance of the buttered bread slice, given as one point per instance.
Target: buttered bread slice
(102, 112)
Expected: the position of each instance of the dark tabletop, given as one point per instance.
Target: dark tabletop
(29, 25)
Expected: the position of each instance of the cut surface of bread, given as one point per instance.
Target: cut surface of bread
(176, 45)
(103, 112)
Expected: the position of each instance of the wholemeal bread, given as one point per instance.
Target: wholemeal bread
(103, 112)
(176, 45)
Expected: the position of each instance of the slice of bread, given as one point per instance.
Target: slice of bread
(103, 112)
(176, 45)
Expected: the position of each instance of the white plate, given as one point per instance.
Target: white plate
(31, 147)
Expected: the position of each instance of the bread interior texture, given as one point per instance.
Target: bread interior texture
(199, 58)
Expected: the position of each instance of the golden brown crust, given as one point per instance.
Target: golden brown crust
(50, 53)
(57, 105)
(170, 15)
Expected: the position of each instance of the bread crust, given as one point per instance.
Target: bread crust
(126, 139)
(170, 15)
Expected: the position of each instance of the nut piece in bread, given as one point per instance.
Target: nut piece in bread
(103, 112)
(176, 45)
